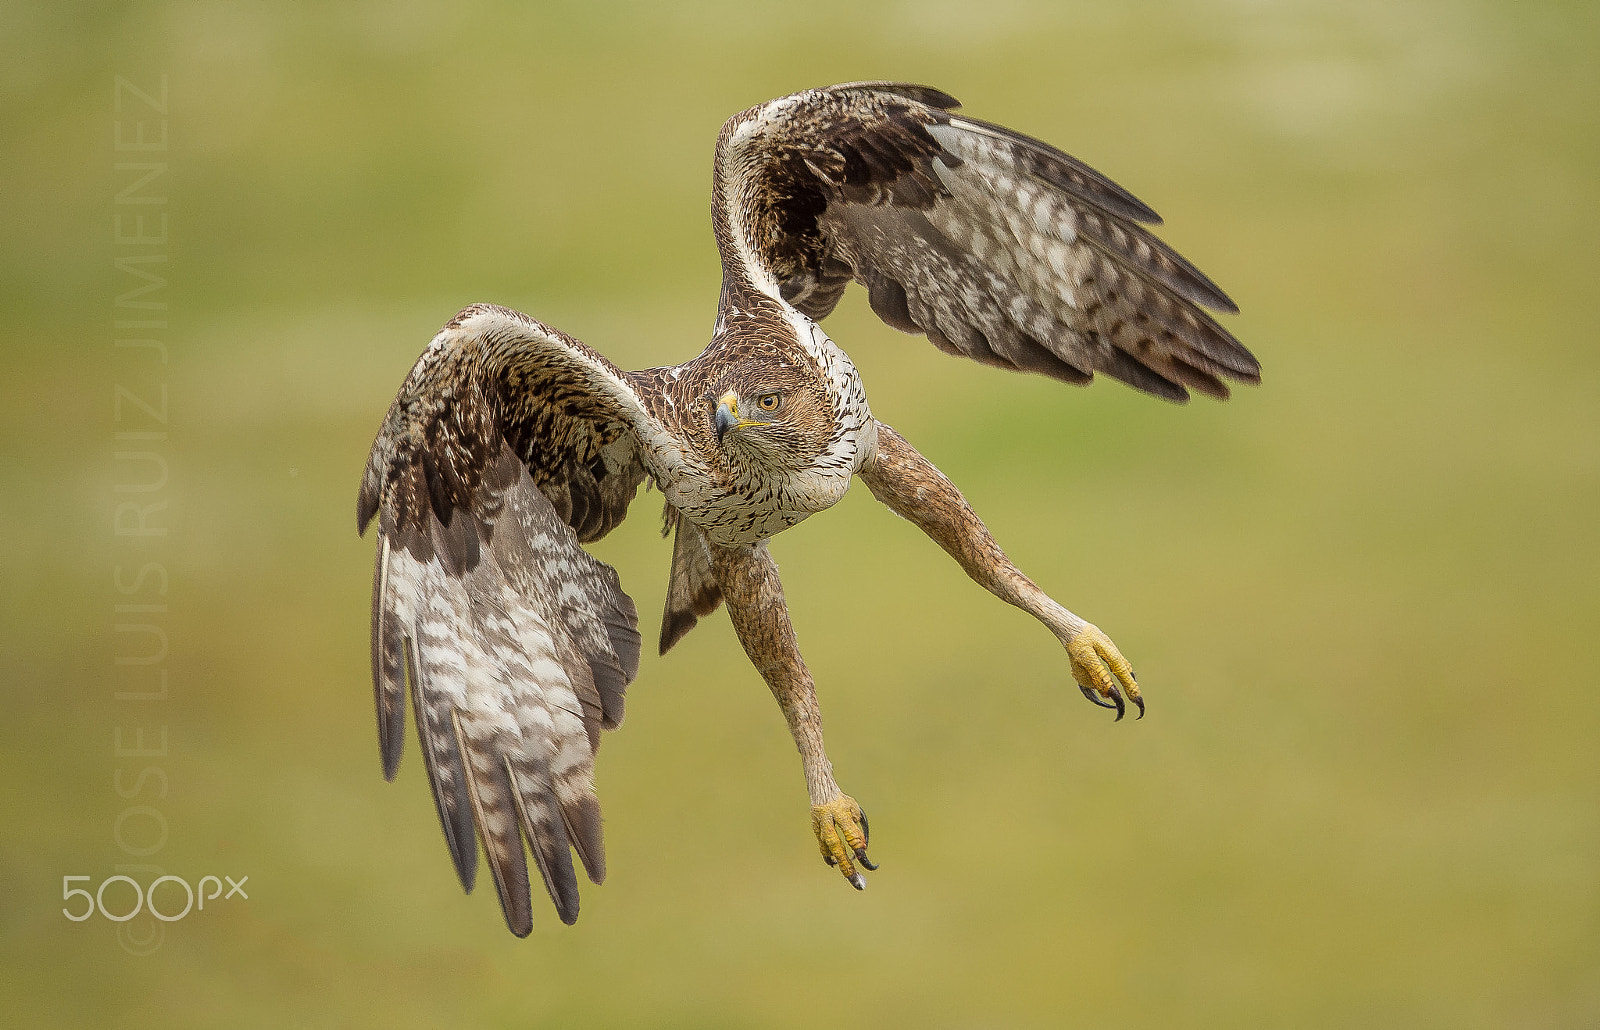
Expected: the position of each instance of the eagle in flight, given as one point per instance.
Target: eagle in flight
(511, 444)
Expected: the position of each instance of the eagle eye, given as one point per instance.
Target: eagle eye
(767, 402)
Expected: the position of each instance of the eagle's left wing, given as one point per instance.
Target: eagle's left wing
(998, 247)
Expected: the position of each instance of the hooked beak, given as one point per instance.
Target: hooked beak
(727, 414)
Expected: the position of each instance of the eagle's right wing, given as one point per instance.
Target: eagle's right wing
(508, 444)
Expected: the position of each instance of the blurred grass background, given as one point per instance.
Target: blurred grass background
(1361, 598)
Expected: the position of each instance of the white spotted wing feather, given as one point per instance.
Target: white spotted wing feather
(996, 246)
(514, 642)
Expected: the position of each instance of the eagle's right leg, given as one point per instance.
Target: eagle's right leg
(913, 488)
(749, 580)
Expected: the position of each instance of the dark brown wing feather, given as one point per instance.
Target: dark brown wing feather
(508, 444)
(996, 246)
(692, 588)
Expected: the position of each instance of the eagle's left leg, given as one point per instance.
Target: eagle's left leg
(749, 580)
(912, 487)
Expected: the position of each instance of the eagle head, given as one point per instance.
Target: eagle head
(771, 413)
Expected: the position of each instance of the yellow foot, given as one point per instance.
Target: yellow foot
(841, 829)
(1102, 672)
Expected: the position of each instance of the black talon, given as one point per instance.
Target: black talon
(1140, 702)
(1093, 697)
(858, 882)
(866, 863)
(830, 860)
(1122, 709)
(866, 832)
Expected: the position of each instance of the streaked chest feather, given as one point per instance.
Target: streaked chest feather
(742, 504)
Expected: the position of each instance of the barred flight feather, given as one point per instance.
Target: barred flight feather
(515, 644)
(994, 245)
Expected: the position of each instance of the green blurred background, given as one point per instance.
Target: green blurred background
(1361, 598)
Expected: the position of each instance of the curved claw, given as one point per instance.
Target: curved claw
(1095, 698)
(866, 838)
(1122, 708)
(1139, 704)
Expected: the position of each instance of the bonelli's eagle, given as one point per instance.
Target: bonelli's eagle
(510, 444)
